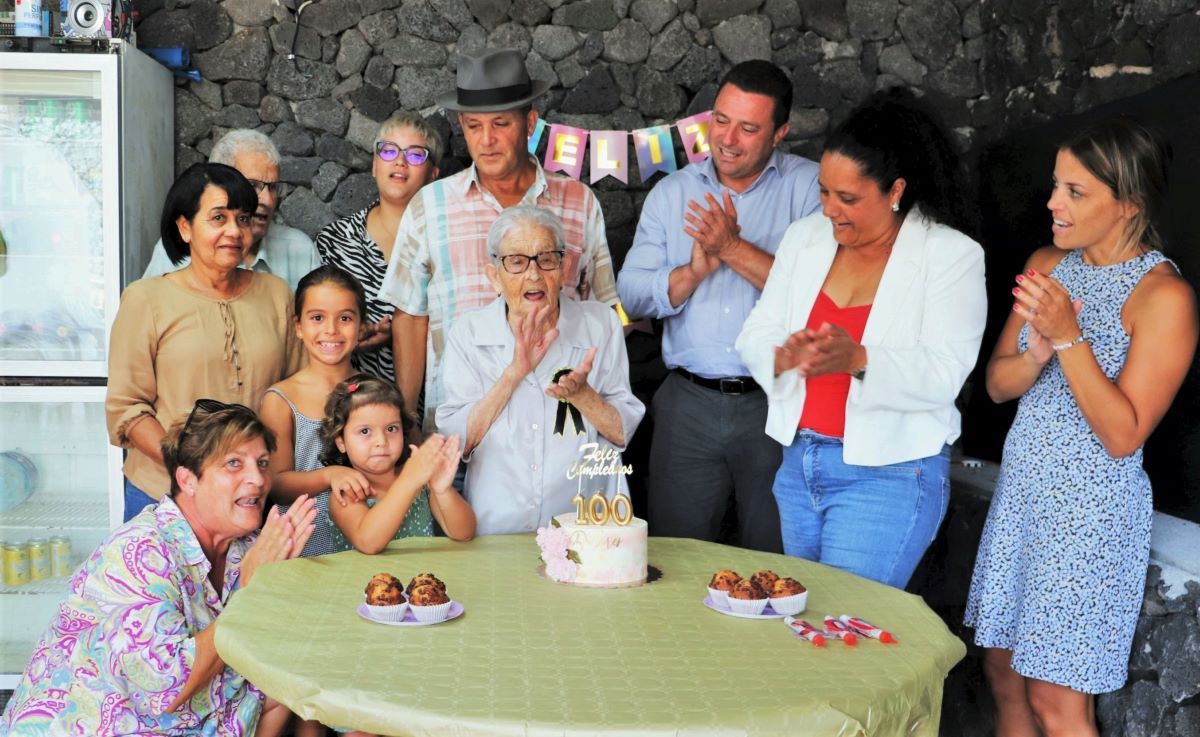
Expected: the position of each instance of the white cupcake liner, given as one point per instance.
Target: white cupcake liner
(747, 606)
(719, 597)
(434, 613)
(389, 612)
(793, 604)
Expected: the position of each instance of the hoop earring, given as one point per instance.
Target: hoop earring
(895, 207)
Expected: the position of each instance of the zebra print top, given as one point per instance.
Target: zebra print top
(346, 243)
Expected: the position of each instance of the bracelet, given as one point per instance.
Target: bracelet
(1059, 347)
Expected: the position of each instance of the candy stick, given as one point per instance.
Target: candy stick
(834, 628)
(866, 629)
(803, 629)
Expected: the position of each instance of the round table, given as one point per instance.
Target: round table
(533, 657)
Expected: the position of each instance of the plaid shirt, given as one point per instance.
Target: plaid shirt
(437, 264)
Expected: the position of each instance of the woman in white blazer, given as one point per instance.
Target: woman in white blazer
(868, 326)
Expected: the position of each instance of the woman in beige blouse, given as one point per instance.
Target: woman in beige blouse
(210, 329)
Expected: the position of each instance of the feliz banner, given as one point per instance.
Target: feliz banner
(564, 150)
(693, 132)
(608, 151)
(610, 155)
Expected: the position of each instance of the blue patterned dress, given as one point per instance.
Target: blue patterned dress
(1062, 563)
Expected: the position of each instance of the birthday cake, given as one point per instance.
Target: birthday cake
(594, 555)
(601, 543)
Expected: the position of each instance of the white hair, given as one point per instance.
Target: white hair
(515, 217)
(243, 139)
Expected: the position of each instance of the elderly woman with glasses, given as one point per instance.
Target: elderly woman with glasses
(131, 650)
(531, 379)
(209, 329)
(407, 153)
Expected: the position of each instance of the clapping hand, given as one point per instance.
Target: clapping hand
(833, 352)
(427, 460)
(1052, 315)
(574, 384)
(795, 350)
(448, 457)
(347, 485)
(714, 227)
(283, 536)
(703, 263)
(533, 338)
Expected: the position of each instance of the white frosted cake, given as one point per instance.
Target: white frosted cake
(595, 555)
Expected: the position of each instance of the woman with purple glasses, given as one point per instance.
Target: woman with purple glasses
(407, 153)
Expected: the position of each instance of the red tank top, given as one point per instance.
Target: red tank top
(825, 397)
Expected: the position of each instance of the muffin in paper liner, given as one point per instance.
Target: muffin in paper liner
(432, 613)
(388, 613)
(719, 597)
(747, 606)
(793, 604)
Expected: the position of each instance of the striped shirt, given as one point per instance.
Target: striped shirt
(437, 266)
(347, 244)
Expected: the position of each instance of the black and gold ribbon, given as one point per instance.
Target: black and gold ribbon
(565, 406)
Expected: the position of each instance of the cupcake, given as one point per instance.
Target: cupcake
(765, 580)
(747, 597)
(789, 596)
(718, 588)
(429, 603)
(385, 598)
(423, 579)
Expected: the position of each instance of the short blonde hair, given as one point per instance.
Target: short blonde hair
(402, 120)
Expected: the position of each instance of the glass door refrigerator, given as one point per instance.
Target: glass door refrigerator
(86, 157)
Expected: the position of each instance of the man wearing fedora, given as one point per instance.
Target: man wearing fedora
(436, 271)
(704, 245)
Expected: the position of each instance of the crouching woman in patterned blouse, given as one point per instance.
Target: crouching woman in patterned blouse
(132, 648)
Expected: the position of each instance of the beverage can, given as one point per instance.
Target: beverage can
(60, 556)
(28, 17)
(39, 559)
(14, 559)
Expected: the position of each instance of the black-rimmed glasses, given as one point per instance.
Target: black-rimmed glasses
(275, 188)
(413, 155)
(518, 263)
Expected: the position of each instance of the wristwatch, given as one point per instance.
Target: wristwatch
(862, 372)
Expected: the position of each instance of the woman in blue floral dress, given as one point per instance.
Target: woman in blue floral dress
(1101, 336)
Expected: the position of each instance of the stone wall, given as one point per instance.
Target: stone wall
(1162, 696)
(624, 64)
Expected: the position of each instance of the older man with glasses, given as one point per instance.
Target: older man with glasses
(437, 271)
(276, 249)
(531, 379)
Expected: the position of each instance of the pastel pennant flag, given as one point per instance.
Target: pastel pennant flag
(693, 132)
(654, 150)
(536, 136)
(564, 150)
(610, 155)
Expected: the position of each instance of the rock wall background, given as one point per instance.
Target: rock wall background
(988, 67)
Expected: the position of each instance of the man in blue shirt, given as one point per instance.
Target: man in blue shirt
(702, 252)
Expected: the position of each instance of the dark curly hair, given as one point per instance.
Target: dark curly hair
(893, 135)
(357, 391)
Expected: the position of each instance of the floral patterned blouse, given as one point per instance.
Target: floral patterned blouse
(122, 644)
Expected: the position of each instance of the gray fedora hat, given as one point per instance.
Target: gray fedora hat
(494, 81)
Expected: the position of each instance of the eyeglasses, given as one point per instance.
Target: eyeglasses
(518, 263)
(414, 155)
(208, 407)
(275, 188)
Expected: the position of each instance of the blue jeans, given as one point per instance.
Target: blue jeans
(873, 521)
(135, 501)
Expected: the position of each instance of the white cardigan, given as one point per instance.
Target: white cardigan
(922, 338)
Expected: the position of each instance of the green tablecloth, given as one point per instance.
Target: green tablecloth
(532, 657)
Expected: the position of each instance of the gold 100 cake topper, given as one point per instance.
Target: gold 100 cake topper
(598, 510)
